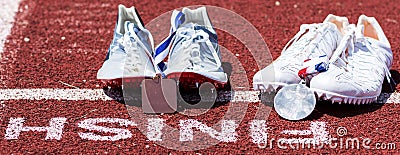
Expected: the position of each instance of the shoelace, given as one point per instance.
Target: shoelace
(129, 43)
(131, 49)
(303, 29)
(191, 46)
(310, 43)
(351, 62)
(312, 39)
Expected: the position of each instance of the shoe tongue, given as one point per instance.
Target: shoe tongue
(198, 17)
(193, 16)
(133, 29)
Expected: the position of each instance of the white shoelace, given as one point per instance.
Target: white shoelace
(191, 46)
(130, 44)
(316, 34)
(309, 49)
(131, 48)
(358, 62)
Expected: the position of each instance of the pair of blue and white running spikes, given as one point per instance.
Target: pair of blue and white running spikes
(191, 47)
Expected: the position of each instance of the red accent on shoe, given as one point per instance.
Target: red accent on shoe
(302, 73)
(128, 82)
(189, 79)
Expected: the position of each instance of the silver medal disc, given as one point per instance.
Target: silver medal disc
(294, 102)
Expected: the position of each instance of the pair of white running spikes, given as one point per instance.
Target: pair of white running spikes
(341, 62)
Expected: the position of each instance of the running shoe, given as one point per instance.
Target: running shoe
(130, 55)
(313, 44)
(192, 50)
(358, 66)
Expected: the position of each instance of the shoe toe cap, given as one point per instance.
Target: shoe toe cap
(274, 75)
(110, 71)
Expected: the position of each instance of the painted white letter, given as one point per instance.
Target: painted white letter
(154, 129)
(90, 124)
(54, 130)
(227, 134)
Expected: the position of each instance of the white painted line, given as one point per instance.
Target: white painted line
(8, 9)
(57, 94)
(98, 94)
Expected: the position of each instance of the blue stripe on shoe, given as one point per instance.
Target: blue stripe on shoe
(179, 19)
(164, 45)
(162, 48)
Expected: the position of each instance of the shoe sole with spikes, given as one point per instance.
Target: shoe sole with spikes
(131, 82)
(341, 99)
(190, 80)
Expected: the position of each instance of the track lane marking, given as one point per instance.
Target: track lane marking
(98, 94)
